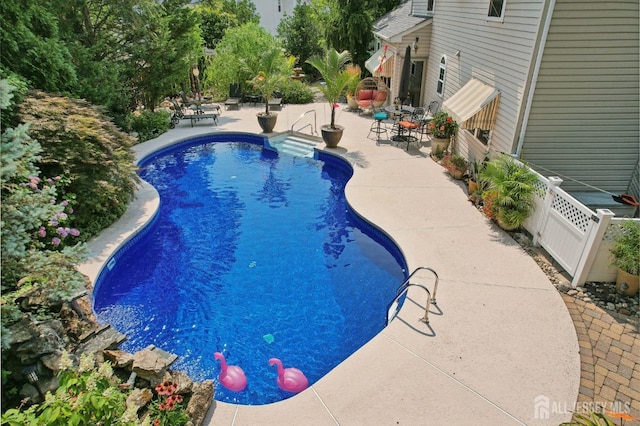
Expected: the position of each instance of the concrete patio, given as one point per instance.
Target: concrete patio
(501, 347)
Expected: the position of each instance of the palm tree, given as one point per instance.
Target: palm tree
(336, 77)
(270, 72)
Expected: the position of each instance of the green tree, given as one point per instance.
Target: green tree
(237, 53)
(218, 15)
(350, 24)
(30, 207)
(270, 72)
(332, 67)
(31, 46)
(162, 61)
(81, 143)
(301, 35)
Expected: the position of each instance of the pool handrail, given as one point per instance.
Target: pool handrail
(404, 287)
(315, 122)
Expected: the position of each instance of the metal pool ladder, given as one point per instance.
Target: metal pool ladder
(404, 287)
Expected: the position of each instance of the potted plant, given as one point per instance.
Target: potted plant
(474, 177)
(336, 78)
(356, 71)
(626, 257)
(442, 128)
(509, 191)
(270, 72)
(455, 164)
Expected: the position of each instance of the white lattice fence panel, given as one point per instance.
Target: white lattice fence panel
(537, 215)
(563, 235)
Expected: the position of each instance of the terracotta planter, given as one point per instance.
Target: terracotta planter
(267, 122)
(457, 174)
(439, 145)
(331, 137)
(627, 283)
(472, 187)
(504, 226)
(352, 103)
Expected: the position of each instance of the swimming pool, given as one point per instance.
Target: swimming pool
(253, 254)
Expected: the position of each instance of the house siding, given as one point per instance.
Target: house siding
(424, 42)
(497, 53)
(585, 114)
(270, 17)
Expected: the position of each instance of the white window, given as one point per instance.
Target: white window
(430, 4)
(442, 74)
(496, 10)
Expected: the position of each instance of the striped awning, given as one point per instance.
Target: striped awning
(380, 63)
(474, 106)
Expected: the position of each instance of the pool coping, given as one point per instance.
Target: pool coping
(503, 372)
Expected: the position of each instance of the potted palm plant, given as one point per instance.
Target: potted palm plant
(626, 257)
(356, 71)
(442, 127)
(509, 189)
(269, 73)
(336, 79)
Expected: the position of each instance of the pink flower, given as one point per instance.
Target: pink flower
(335, 106)
(55, 241)
(42, 232)
(74, 232)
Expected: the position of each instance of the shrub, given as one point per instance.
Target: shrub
(86, 395)
(81, 143)
(32, 212)
(626, 248)
(150, 124)
(167, 410)
(296, 92)
(455, 164)
(442, 126)
(510, 188)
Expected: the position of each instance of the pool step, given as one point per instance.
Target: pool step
(294, 145)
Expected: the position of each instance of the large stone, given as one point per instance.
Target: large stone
(139, 398)
(23, 330)
(200, 401)
(47, 341)
(151, 363)
(52, 361)
(180, 378)
(119, 358)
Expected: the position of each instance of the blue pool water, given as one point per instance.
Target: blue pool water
(249, 245)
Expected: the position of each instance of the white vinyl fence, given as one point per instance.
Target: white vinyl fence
(575, 236)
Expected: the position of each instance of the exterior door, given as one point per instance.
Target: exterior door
(415, 82)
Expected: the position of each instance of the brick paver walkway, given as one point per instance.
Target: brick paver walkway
(609, 357)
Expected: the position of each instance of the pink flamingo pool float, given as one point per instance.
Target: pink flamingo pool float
(231, 376)
(290, 379)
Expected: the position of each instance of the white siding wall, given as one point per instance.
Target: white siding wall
(585, 117)
(419, 7)
(498, 53)
(424, 43)
(269, 15)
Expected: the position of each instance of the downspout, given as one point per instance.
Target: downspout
(534, 78)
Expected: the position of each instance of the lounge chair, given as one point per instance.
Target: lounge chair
(235, 97)
(276, 103)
